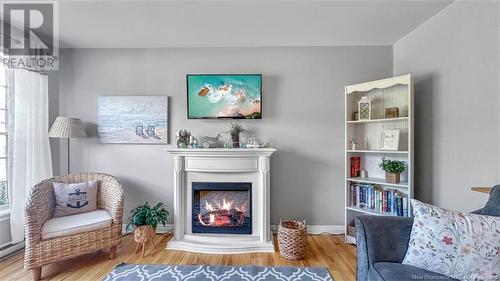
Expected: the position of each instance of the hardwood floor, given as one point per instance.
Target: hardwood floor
(324, 251)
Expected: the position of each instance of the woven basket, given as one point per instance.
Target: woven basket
(292, 239)
(144, 233)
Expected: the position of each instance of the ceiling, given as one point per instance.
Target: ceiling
(158, 24)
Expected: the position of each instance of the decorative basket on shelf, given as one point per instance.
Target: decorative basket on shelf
(292, 239)
(392, 177)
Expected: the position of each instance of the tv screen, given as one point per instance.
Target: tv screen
(236, 96)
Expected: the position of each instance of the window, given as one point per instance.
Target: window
(4, 196)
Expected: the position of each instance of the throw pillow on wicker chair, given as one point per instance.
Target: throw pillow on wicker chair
(75, 198)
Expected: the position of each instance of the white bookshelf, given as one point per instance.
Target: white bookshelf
(385, 93)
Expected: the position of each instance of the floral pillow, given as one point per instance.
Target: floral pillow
(458, 245)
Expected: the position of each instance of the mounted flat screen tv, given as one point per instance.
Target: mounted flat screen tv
(212, 96)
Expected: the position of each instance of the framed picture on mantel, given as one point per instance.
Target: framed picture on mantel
(133, 119)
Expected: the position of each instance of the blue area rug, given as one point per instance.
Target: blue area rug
(128, 272)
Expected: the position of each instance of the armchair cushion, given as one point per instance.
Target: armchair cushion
(75, 224)
(393, 271)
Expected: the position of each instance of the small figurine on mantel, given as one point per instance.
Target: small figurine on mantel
(193, 142)
(182, 138)
(255, 142)
(209, 142)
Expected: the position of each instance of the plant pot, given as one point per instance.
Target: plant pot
(392, 177)
(236, 140)
(144, 233)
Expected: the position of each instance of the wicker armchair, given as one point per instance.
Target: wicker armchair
(40, 208)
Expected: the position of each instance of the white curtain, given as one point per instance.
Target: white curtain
(30, 159)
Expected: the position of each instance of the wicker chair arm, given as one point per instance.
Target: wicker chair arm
(39, 208)
(111, 197)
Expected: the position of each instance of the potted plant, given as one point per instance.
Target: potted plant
(145, 218)
(235, 131)
(393, 169)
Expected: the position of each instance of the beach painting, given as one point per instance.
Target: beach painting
(133, 119)
(224, 96)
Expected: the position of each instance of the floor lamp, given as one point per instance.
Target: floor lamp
(65, 127)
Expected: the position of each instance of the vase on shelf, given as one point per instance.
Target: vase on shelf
(235, 138)
(392, 177)
(235, 131)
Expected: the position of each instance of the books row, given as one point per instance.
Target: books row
(370, 196)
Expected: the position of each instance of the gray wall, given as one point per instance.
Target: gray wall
(53, 77)
(303, 116)
(454, 59)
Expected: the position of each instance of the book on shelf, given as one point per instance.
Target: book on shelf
(374, 197)
(355, 166)
(352, 190)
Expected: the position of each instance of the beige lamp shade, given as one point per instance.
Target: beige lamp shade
(65, 127)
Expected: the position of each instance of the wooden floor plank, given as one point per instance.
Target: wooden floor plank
(328, 251)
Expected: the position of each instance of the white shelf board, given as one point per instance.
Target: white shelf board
(378, 151)
(378, 120)
(369, 211)
(377, 181)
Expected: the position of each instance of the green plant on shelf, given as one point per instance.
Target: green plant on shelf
(392, 166)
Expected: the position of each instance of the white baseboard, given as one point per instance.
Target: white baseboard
(159, 229)
(311, 229)
(318, 229)
(12, 249)
(325, 229)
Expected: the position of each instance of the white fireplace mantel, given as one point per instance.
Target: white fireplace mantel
(222, 165)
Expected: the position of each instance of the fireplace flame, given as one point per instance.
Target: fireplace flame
(215, 217)
(208, 206)
(226, 205)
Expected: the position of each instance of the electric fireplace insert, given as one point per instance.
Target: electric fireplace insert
(222, 207)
